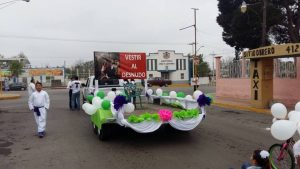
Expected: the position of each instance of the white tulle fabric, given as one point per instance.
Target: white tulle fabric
(185, 103)
(186, 125)
(143, 127)
(151, 126)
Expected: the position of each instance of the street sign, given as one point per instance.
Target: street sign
(283, 50)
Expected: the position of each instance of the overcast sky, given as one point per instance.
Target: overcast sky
(50, 32)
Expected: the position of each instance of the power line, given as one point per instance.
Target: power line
(9, 4)
(90, 41)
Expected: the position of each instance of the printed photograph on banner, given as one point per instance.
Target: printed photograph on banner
(107, 67)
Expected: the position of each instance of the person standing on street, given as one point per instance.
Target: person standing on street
(6, 85)
(70, 92)
(39, 103)
(31, 87)
(196, 82)
(75, 86)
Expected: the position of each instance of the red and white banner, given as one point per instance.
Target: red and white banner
(111, 66)
(132, 66)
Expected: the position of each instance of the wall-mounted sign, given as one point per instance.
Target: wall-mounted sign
(47, 72)
(167, 62)
(283, 50)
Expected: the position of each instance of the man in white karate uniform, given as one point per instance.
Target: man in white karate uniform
(31, 87)
(39, 103)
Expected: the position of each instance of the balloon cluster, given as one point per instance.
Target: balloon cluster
(285, 124)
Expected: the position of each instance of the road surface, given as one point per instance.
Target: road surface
(225, 139)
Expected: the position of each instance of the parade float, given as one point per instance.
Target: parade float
(110, 108)
(114, 105)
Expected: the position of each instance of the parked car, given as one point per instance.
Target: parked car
(18, 86)
(158, 81)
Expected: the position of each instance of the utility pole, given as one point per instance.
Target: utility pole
(195, 70)
(213, 65)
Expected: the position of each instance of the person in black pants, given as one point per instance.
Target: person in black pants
(70, 92)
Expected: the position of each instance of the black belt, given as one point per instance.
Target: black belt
(37, 110)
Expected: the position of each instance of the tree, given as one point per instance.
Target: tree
(288, 29)
(203, 67)
(244, 30)
(16, 68)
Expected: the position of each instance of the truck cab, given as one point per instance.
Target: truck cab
(90, 87)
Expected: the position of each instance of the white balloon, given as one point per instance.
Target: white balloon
(84, 106)
(129, 108)
(279, 111)
(283, 129)
(95, 93)
(90, 109)
(297, 106)
(159, 92)
(274, 120)
(111, 95)
(173, 94)
(97, 102)
(295, 116)
(118, 92)
(149, 92)
(298, 128)
(291, 113)
(189, 97)
(196, 94)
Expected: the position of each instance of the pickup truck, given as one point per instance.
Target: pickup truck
(158, 81)
(106, 86)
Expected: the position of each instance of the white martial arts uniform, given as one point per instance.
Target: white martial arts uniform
(31, 89)
(41, 100)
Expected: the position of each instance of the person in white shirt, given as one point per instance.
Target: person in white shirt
(39, 103)
(70, 92)
(31, 87)
(75, 86)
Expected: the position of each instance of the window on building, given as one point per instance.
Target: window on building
(182, 76)
(151, 64)
(165, 75)
(180, 64)
(148, 64)
(150, 76)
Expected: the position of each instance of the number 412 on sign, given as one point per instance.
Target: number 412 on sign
(292, 49)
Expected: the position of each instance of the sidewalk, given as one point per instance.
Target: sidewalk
(240, 104)
(9, 96)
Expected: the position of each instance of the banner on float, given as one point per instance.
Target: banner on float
(111, 66)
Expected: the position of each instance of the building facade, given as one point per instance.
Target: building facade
(168, 65)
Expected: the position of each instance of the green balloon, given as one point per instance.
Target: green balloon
(165, 94)
(180, 94)
(105, 104)
(101, 94)
(89, 98)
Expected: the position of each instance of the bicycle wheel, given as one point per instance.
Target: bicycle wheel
(286, 162)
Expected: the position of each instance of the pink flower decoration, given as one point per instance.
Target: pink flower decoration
(165, 114)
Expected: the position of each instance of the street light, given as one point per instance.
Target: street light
(200, 48)
(264, 21)
(244, 7)
(195, 28)
(13, 1)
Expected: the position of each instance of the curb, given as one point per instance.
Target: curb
(9, 96)
(245, 108)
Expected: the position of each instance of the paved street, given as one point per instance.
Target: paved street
(225, 139)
